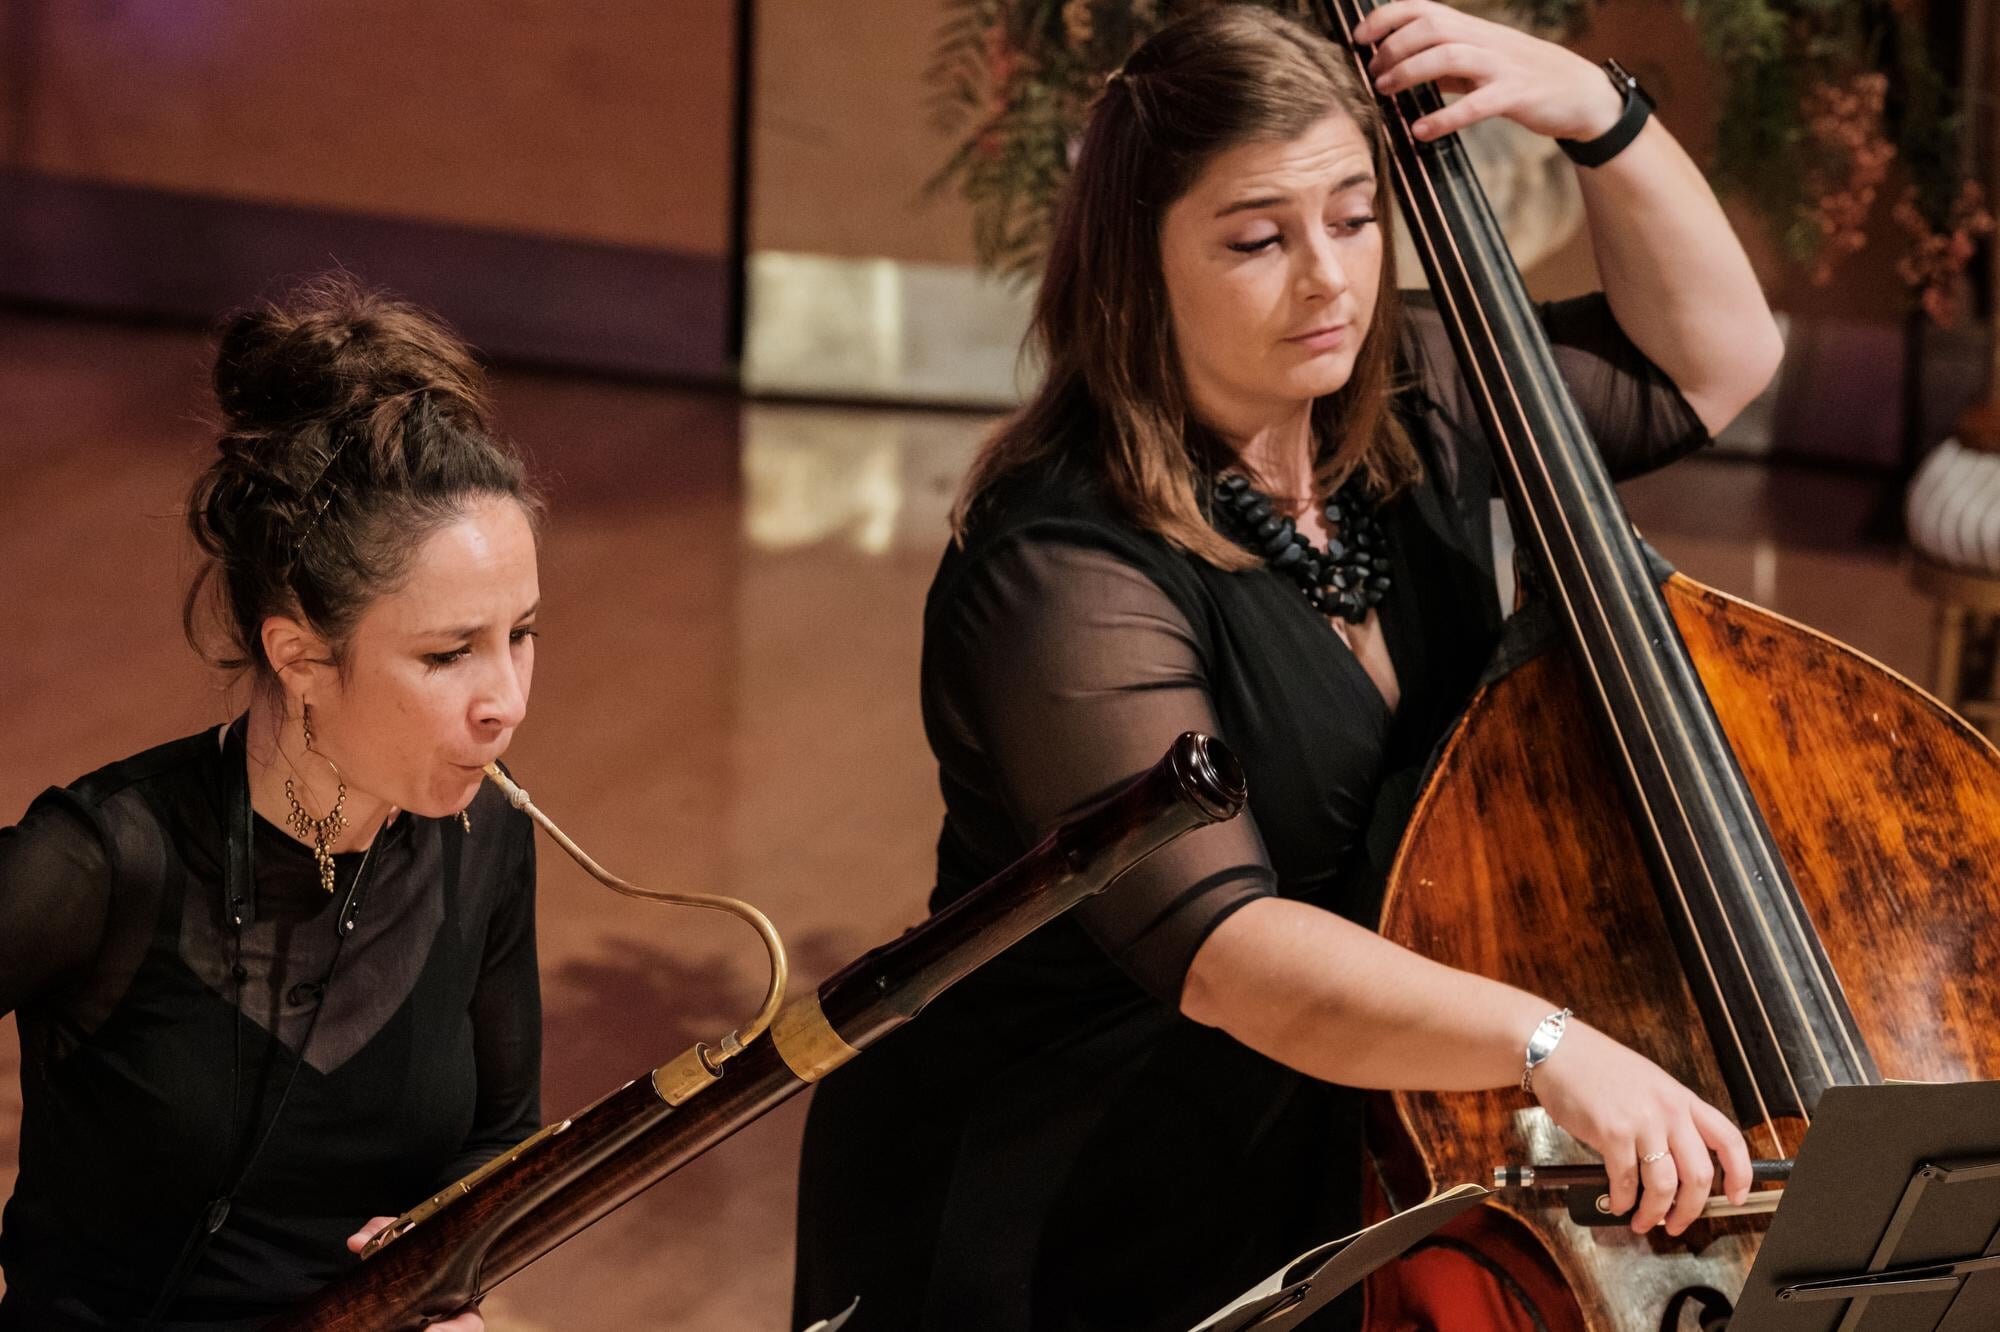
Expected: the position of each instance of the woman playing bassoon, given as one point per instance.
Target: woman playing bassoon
(278, 977)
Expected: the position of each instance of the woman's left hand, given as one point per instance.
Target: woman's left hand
(469, 1321)
(1500, 70)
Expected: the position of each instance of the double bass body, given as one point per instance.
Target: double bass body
(1729, 842)
(1521, 863)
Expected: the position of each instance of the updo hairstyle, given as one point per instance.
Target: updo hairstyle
(354, 426)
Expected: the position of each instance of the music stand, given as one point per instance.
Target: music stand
(1310, 1281)
(838, 1321)
(1891, 1219)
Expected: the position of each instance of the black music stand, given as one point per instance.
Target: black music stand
(838, 1321)
(1310, 1281)
(1891, 1219)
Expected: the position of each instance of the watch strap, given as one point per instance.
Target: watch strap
(1638, 109)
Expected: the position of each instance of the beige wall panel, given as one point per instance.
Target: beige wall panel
(604, 121)
(843, 144)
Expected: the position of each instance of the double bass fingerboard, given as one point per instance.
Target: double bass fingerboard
(1775, 1013)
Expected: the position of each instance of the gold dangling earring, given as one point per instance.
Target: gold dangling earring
(465, 819)
(319, 831)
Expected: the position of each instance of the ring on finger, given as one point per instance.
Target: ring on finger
(1651, 1157)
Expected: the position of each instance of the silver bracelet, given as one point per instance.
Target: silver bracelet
(1543, 1044)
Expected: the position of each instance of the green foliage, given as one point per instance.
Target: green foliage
(1012, 82)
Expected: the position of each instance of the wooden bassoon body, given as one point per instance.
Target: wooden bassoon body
(460, 1245)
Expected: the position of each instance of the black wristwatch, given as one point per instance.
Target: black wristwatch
(1638, 108)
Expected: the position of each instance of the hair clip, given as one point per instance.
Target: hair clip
(299, 545)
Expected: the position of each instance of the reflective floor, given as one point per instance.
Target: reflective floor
(725, 700)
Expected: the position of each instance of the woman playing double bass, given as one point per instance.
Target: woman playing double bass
(1250, 498)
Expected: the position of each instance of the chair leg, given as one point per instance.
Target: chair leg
(1989, 684)
(1950, 651)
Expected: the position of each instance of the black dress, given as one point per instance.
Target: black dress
(115, 959)
(1052, 1146)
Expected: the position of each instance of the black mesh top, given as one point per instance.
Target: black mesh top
(1064, 650)
(1070, 1152)
(117, 963)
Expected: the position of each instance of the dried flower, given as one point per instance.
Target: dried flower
(1077, 26)
(1937, 259)
(1002, 63)
(1845, 121)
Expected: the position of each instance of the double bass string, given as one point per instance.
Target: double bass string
(1791, 910)
(1801, 935)
(1512, 392)
(1624, 666)
(1451, 300)
(1625, 669)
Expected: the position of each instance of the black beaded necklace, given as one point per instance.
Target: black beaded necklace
(1347, 579)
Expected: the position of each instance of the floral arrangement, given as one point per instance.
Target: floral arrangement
(1828, 107)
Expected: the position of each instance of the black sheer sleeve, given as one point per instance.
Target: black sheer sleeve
(1634, 411)
(55, 896)
(1072, 671)
(507, 1020)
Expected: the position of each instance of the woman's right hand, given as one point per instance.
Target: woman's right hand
(1628, 1109)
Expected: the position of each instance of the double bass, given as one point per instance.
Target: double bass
(1822, 839)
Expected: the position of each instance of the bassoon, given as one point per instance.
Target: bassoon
(457, 1246)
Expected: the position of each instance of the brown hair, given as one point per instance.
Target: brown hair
(1113, 394)
(354, 426)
